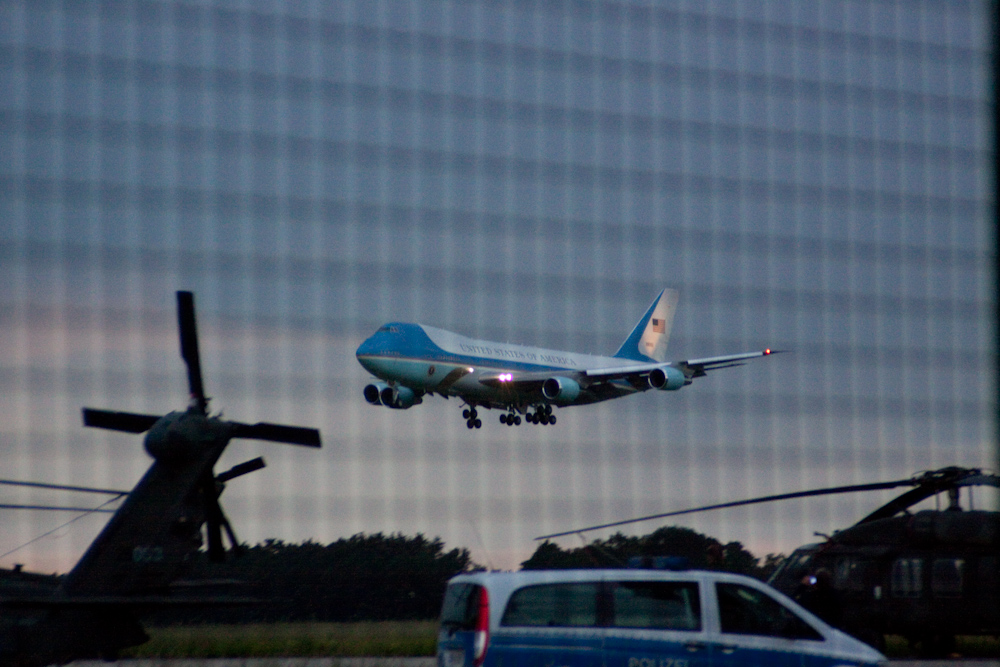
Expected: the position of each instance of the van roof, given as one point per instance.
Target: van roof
(524, 577)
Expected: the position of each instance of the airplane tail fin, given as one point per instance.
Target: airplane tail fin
(648, 340)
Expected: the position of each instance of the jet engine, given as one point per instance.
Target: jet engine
(560, 389)
(374, 391)
(667, 378)
(399, 398)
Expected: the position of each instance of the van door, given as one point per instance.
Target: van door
(655, 624)
(462, 619)
(758, 631)
(549, 625)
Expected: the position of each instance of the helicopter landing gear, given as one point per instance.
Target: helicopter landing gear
(472, 419)
(542, 415)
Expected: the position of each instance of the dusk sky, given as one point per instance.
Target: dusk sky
(811, 177)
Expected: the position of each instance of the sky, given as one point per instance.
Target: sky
(814, 179)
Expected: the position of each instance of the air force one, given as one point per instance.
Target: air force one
(412, 361)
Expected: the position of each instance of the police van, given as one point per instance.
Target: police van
(633, 618)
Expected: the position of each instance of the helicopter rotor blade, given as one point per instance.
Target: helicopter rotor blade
(292, 435)
(55, 508)
(930, 484)
(189, 348)
(242, 469)
(738, 503)
(129, 422)
(63, 487)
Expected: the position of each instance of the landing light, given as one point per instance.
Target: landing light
(506, 377)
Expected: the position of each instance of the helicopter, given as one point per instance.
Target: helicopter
(136, 563)
(927, 575)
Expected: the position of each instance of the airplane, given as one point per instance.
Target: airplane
(136, 563)
(413, 360)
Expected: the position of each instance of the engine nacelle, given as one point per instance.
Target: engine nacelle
(399, 398)
(560, 389)
(373, 392)
(666, 378)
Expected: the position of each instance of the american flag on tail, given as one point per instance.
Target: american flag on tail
(659, 326)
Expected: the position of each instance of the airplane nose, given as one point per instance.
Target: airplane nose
(367, 347)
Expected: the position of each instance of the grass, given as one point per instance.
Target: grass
(381, 639)
(966, 647)
(372, 639)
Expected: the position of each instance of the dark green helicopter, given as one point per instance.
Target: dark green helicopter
(927, 575)
(136, 562)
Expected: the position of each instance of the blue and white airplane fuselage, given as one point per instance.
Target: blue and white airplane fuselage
(414, 360)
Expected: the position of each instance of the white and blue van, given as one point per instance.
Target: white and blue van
(633, 618)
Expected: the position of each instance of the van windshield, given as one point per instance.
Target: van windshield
(461, 606)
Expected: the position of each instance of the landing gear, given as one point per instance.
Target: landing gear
(542, 415)
(472, 418)
(510, 419)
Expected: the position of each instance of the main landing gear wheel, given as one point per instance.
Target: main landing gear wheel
(542, 415)
(472, 418)
(510, 420)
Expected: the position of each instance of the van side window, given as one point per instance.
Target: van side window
(553, 605)
(664, 605)
(747, 611)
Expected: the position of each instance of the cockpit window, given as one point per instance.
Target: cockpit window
(390, 329)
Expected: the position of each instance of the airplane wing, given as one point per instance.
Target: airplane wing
(695, 368)
(625, 378)
(521, 381)
(691, 368)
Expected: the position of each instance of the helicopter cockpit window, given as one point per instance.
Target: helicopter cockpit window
(946, 577)
(851, 574)
(748, 611)
(907, 578)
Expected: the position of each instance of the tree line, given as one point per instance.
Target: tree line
(396, 577)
